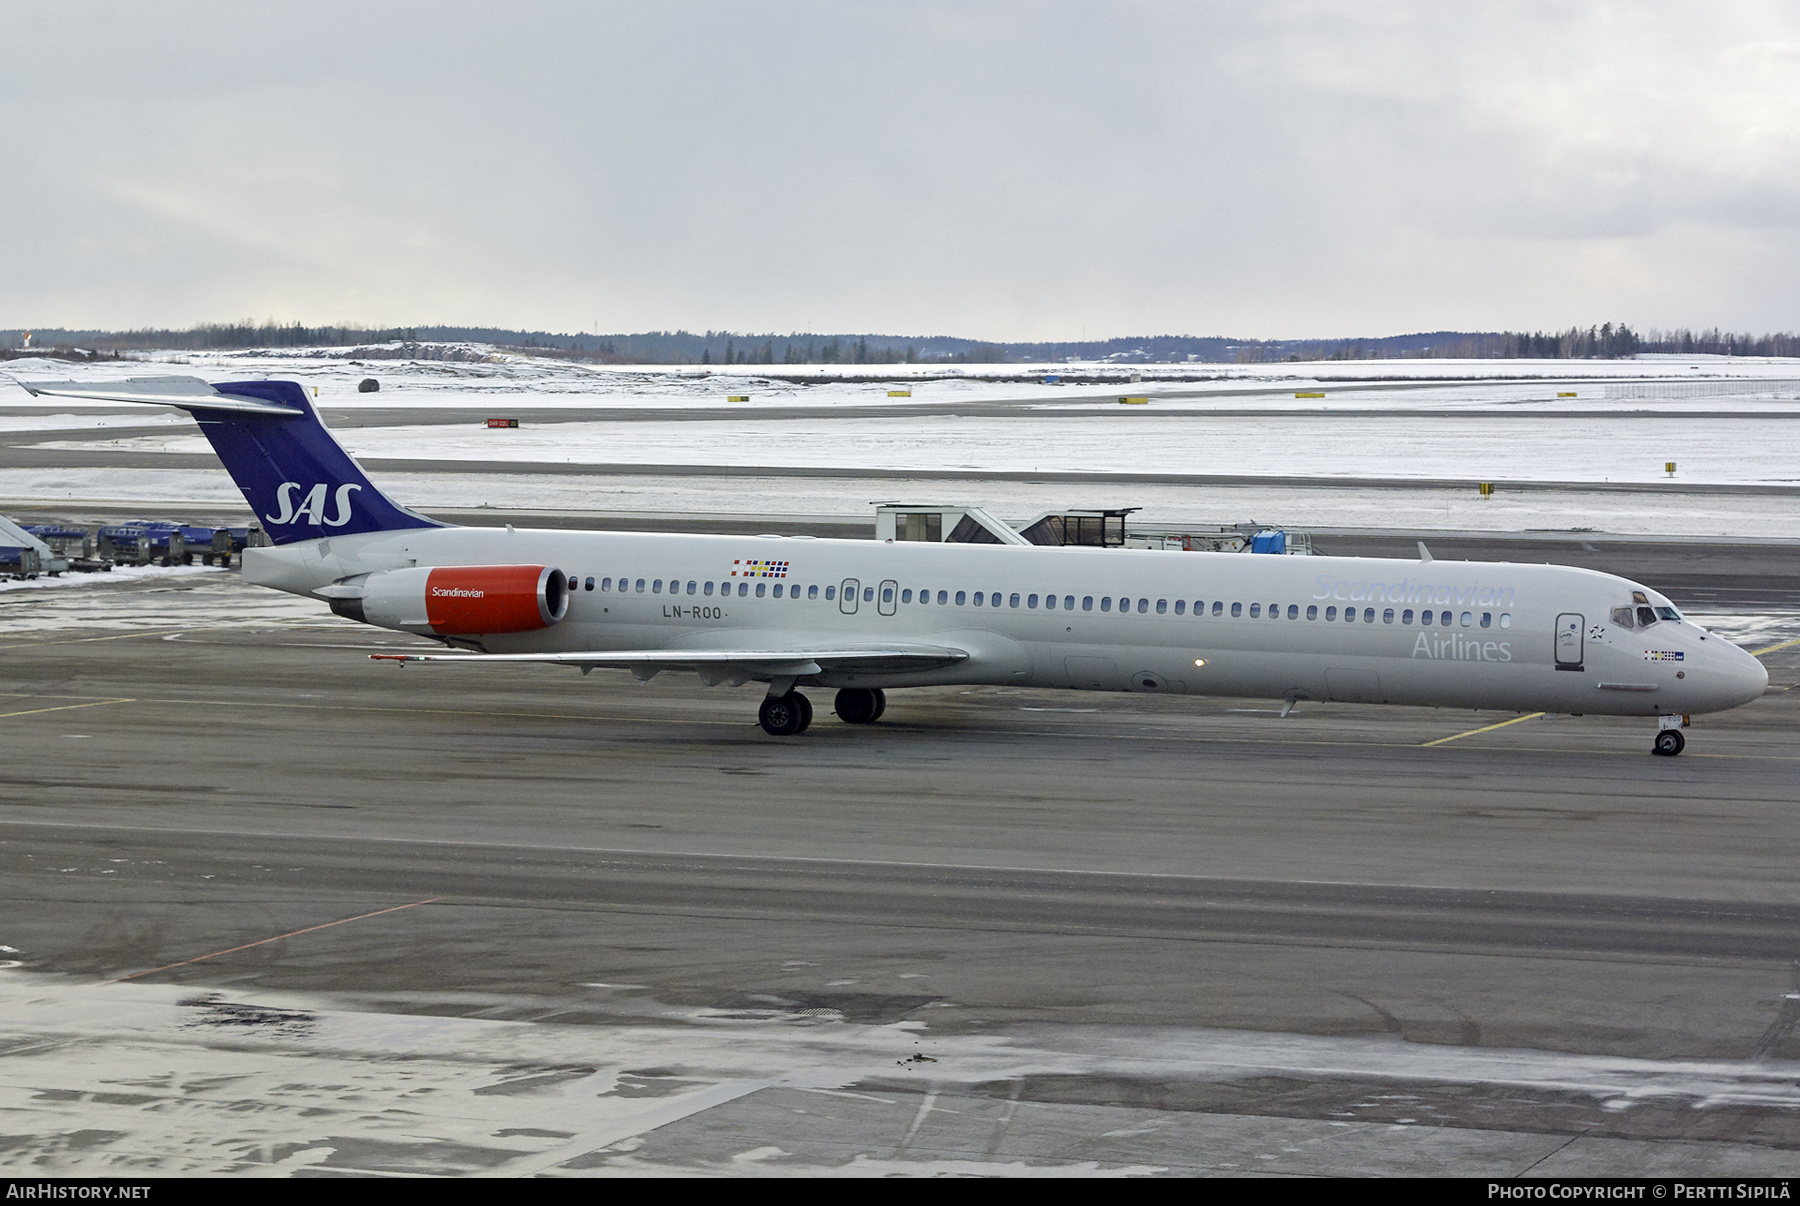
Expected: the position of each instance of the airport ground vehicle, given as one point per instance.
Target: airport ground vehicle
(865, 617)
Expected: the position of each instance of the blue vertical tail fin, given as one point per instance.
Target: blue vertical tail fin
(297, 478)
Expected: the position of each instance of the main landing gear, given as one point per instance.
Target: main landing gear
(1669, 740)
(788, 714)
(860, 705)
(785, 715)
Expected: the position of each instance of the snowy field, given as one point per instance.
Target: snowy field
(850, 499)
(1707, 449)
(511, 379)
(1413, 420)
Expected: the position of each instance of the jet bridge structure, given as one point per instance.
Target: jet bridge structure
(23, 555)
(966, 523)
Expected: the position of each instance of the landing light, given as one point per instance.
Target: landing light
(1199, 661)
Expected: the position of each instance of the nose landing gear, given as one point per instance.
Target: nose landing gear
(1669, 740)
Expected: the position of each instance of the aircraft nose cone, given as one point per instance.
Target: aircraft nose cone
(1736, 677)
(1749, 678)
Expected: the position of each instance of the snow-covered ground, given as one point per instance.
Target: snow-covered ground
(1706, 449)
(1488, 420)
(550, 382)
(850, 499)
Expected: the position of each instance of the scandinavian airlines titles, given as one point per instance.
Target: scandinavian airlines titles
(1407, 590)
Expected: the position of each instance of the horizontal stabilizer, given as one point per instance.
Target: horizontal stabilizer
(185, 392)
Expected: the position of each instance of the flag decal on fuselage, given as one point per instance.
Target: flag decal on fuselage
(744, 568)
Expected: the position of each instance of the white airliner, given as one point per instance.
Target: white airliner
(863, 616)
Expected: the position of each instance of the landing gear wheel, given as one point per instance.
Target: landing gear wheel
(880, 704)
(858, 705)
(805, 706)
(1670, 742)
(781, 716)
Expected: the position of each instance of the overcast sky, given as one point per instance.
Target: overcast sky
(1010, 171)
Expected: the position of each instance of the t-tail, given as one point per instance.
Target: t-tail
(297, 478)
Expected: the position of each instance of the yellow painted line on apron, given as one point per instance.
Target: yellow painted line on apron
(277, 938)
(1773, 648)
(1484, 729)
(66, 707)
(83, 640)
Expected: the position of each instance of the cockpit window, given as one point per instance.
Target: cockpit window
(1646, 617)
(1668, 613)
(1621, 617)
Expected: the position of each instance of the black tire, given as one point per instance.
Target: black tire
(1669, 742)
(780, 716)
(805, 706)
(856, 705)
(880, 704)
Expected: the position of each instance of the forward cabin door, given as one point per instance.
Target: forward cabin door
(1569, 641)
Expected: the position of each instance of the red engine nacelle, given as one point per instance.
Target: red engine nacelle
(465, 600)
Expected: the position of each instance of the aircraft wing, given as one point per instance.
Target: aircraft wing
(185, 392)
(720, 663)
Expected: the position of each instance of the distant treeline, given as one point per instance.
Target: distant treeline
(1607, 341)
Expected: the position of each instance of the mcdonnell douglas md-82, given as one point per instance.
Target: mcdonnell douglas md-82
(865, 617)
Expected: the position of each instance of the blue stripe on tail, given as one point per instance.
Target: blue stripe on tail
(297, 478)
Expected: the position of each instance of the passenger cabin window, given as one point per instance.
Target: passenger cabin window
(1255, 610)
(1237, 609)
(812, 592)
(1218, 608)
(831, 592)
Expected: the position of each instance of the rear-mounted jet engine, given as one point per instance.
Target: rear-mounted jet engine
(460, 600)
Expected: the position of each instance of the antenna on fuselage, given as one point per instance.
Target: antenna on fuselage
(1424, 553)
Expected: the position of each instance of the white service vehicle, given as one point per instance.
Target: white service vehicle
(863, 617)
